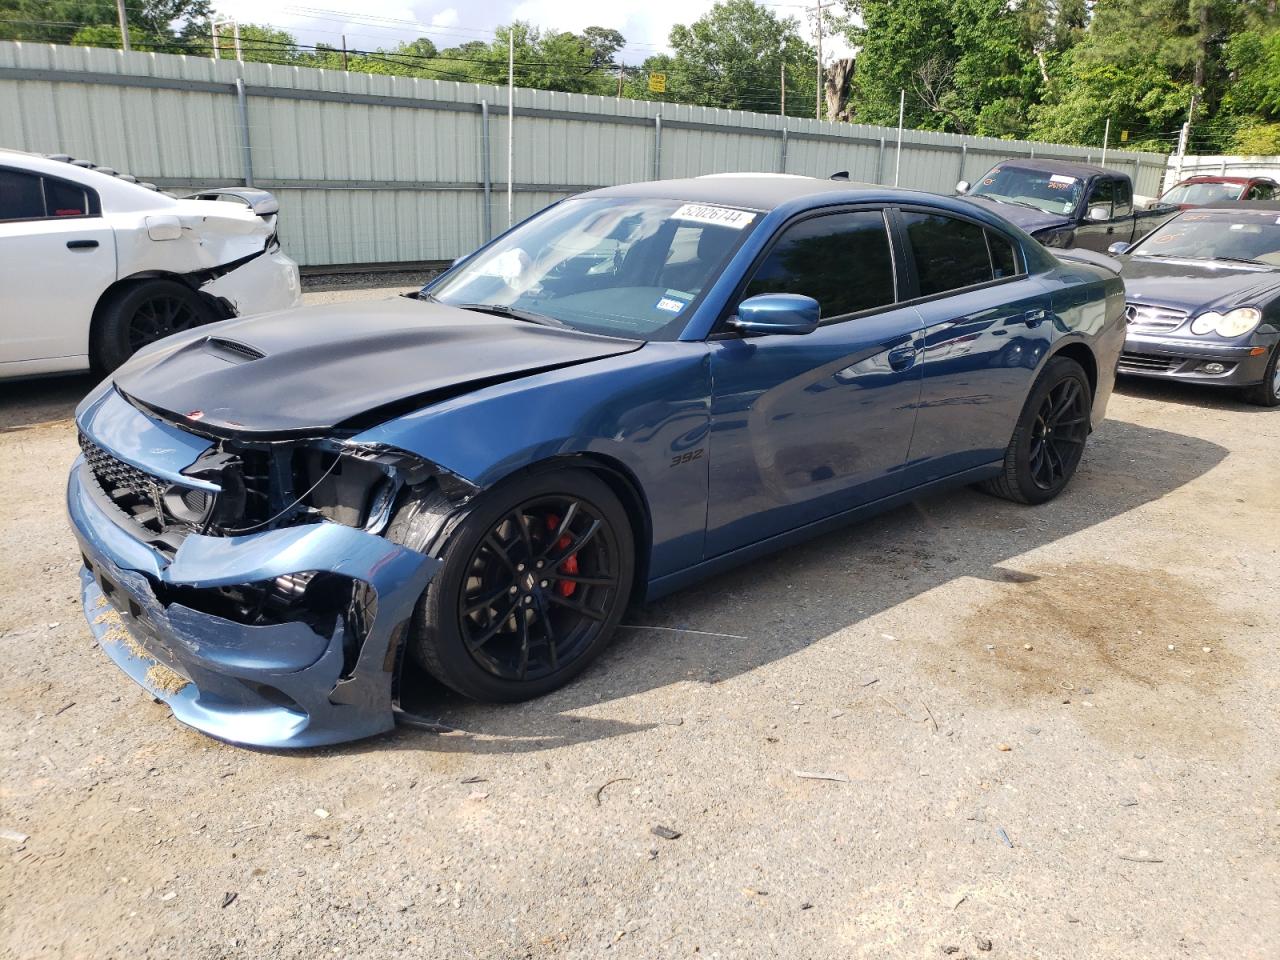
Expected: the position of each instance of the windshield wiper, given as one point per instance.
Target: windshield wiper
(1241, 260)
(511, 313)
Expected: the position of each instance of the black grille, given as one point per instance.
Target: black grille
(135, 492)
(1149, 362)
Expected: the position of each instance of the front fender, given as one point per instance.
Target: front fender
(646, 410)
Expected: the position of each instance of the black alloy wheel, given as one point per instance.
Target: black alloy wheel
(160, 316)
(140, 312)
(1059, 434)
(535, 579)
(539, 588)
(1049, 437)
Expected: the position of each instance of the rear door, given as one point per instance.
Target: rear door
(986, 326)
(804, 427)
(57, 256)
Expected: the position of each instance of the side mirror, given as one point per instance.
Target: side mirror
(1118, 248)
(782, 313)
(963, 186)
(1099, 213)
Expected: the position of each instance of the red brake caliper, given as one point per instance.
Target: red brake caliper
(570, 565)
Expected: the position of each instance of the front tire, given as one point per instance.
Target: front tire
(1049, 438)
(1267, 393)
(535, 580)
(140, 313)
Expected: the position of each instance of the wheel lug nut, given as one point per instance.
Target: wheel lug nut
(545, 582)
(513, 590)
(528, 599)
(539, 564)
(520, 567)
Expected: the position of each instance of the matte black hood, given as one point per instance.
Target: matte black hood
(1032, 221)
(310, 369)
(1194, 285)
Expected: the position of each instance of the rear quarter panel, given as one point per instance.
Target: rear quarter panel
(1088, 308)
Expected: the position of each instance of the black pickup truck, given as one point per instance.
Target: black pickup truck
(1066, 204)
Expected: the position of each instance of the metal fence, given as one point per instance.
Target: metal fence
(381, 169)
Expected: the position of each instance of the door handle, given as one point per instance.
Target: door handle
(81, 244)
(1033, 318)
(902, 358)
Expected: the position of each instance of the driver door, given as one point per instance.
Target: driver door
(804, 427)
(1101, 234)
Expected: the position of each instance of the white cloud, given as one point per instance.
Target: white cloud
(445, 18)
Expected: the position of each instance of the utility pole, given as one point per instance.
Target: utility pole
(213, 27)
(817, 95)
(783, 111)
(1106, 136)
(124, 26)
(902, 112)
(619, 81)
(511, 117)
(344, 51)
(235, 28)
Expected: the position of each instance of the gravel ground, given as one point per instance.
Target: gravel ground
(1046, 732)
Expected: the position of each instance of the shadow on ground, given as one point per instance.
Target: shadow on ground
(778, 606)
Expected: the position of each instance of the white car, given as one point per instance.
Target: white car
(94, 265)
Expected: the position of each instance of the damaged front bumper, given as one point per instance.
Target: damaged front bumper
(283, 684)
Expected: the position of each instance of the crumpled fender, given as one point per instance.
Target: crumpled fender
(639, 411)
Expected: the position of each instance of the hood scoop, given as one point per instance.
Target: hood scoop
(312, 369)
(232, 350)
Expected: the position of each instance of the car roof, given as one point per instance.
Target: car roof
(1081, 170)
(1239, 206)
(1209, 178)
(759, 191)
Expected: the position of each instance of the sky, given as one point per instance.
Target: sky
(373, 23)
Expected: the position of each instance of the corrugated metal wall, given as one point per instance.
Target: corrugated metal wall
(1221, 166)
(375, 169)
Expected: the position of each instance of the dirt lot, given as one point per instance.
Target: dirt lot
(1054, 729)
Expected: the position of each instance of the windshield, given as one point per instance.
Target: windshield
(621, 267)
(1198, 194)
(1243, 235)
(1050, 192)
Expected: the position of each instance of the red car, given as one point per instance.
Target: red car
(1199, 191)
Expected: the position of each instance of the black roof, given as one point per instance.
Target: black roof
(760, 191)
(1080, 170)
(1239, 206)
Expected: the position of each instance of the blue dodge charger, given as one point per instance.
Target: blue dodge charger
(631, 390)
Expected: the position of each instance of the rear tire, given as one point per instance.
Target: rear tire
(140, 313)
(1049, 437)
(522, 604)
(1267, 393)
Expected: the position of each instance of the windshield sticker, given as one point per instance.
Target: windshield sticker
(988, 181)
(719, 216)
(670, 305)
(1059, 178)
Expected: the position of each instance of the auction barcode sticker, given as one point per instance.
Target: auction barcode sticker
(1059, 178)
(720, 216)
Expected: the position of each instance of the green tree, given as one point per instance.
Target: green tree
(732, 57)
(968, 66)
(1140, 63)
(175, 26)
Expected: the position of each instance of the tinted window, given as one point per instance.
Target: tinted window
(1103, 192)
(842, 261)
(20, 196)
(949, 253)
(1124, 199)
(64, 199)
(1002, 258)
